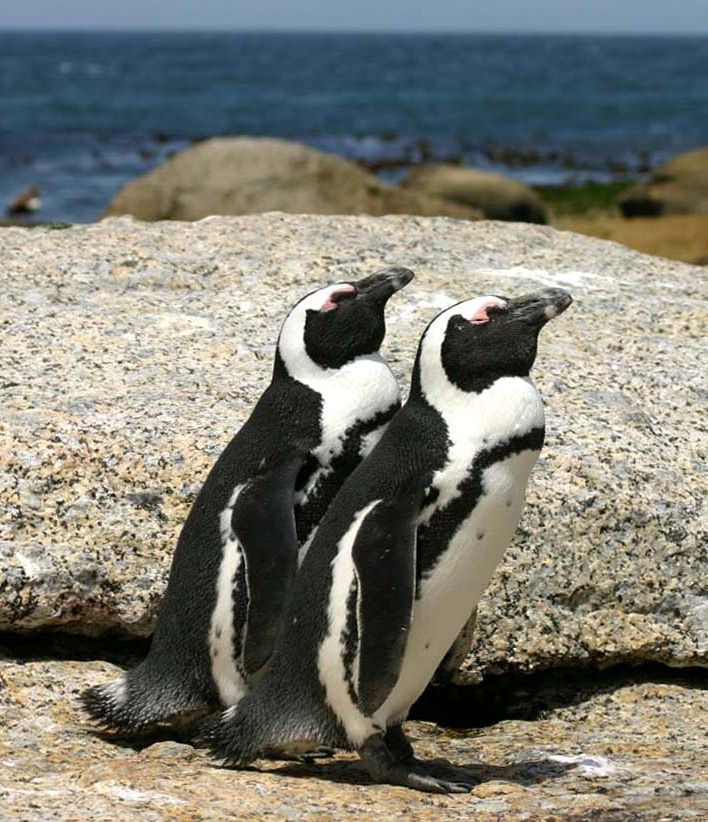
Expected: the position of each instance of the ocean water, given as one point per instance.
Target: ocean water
(82, 113)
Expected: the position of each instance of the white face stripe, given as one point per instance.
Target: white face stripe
(438, 389)
(511, 406)
(357, 391)
(291, 342)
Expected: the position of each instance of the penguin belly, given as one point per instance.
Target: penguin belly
(451, 590)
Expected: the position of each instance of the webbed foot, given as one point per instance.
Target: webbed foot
(383, 766)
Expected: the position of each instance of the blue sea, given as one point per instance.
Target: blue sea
(82, 113)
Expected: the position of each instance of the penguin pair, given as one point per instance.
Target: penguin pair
(329, 400)
(404, 552)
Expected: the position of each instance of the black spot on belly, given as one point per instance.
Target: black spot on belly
(217, 633)
(434, 537)
(508, 503)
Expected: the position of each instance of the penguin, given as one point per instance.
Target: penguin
(331, 396)
(405, 551)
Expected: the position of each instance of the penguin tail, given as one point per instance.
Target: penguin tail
(242, 733)
(137, 702)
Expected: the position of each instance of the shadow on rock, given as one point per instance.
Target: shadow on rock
(352, 772)
(530, 697)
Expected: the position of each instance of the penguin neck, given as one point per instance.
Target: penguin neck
(358, 391)
(504, 406)
(293, 362)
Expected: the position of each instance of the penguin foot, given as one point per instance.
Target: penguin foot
(384, 767)
(398, 743)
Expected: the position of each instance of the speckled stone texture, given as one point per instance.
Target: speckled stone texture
(131, 353)
(632, 751)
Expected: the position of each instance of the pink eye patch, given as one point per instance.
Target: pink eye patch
(480, 316)
(330, 303)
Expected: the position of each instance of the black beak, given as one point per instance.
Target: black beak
(382, 285)
(540, 307)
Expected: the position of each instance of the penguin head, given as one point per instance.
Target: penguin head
(338, 323)
(477, 341)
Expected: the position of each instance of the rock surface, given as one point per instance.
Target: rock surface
(497, 197)
(131, 354)
(678, 187)
(626, 752)
(247, 175)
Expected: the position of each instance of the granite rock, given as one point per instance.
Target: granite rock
(250, 175)
(628, 751)
(132, 352)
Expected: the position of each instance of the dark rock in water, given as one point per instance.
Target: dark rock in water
(678, 187)
(498, 197)
(26, 203)
(242, 175)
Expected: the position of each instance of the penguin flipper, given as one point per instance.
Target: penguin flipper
(384, 559)
(263, 521)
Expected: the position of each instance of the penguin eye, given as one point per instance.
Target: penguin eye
(495, 311)
(341, 295)
(487, 312)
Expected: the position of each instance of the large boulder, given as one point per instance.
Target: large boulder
(678, 187)
(132, 353)
(498, 197)
(247, 175)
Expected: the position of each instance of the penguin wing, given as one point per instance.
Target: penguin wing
(384, 559)
(263, 521)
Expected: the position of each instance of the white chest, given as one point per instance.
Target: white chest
(510, 408)
(357, 392)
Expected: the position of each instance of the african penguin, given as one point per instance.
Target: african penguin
(330, 398)
(405, 551)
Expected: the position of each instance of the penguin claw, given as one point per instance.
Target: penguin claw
(422, 781)
(385, 767)
(322, 752)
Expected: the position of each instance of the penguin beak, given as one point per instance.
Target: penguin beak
(379, 287)
(540, 307)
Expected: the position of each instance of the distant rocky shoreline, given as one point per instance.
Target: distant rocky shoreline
(665, 213)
